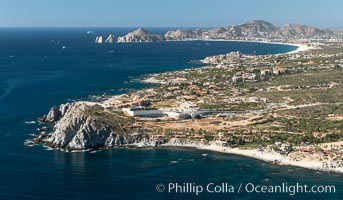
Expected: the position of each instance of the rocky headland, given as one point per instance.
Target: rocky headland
(141, 35)
(80, 126)
(87, 125)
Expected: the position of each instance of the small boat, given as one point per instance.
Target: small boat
(30, 122)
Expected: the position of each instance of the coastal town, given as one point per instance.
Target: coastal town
(286, 109)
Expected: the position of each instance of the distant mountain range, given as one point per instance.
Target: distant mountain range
(252, 29)
(255, 29)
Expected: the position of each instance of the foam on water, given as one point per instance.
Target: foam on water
(10, 86)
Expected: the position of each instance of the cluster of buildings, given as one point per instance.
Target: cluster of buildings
(243, 77)
(147, 112)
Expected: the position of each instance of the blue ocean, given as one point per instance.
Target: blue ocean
(43, 67)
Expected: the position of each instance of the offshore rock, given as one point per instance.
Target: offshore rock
(98, 39)
(110, 39)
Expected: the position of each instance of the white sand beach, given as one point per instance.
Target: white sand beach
(300, 47)
(272, 157)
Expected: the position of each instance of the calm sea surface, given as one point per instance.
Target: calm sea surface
(40, 68)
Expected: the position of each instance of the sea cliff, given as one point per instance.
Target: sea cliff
(79, 126)
(87, 125)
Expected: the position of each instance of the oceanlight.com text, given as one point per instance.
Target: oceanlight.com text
(250, 188)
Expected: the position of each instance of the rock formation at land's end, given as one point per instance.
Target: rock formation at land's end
(110, 39)
(81, 126)
(87, 125)
(141, 35)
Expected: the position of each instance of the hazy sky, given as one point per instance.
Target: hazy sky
(168, 13)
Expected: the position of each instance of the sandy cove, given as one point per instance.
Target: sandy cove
(270, 157)
(300, 47)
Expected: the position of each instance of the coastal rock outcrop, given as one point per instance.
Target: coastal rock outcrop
(98, 39)
(184, 34)
(53, 115)
(180, 142)
(141, 35)
(110, 39)
(56, 113)
(78, 129)
(86, 125)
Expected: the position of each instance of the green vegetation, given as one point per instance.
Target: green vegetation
(285, 98)
(114, 119)
(318, 111)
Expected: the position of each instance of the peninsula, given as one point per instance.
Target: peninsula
(286, 109)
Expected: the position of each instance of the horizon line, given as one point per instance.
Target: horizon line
(205, 27)
(110, 26)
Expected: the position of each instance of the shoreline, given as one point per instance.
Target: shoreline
(148, 79)
(255, 153)
(300, 47)
(271, 158)
(268, 157)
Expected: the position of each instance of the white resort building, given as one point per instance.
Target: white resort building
(143, 112)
